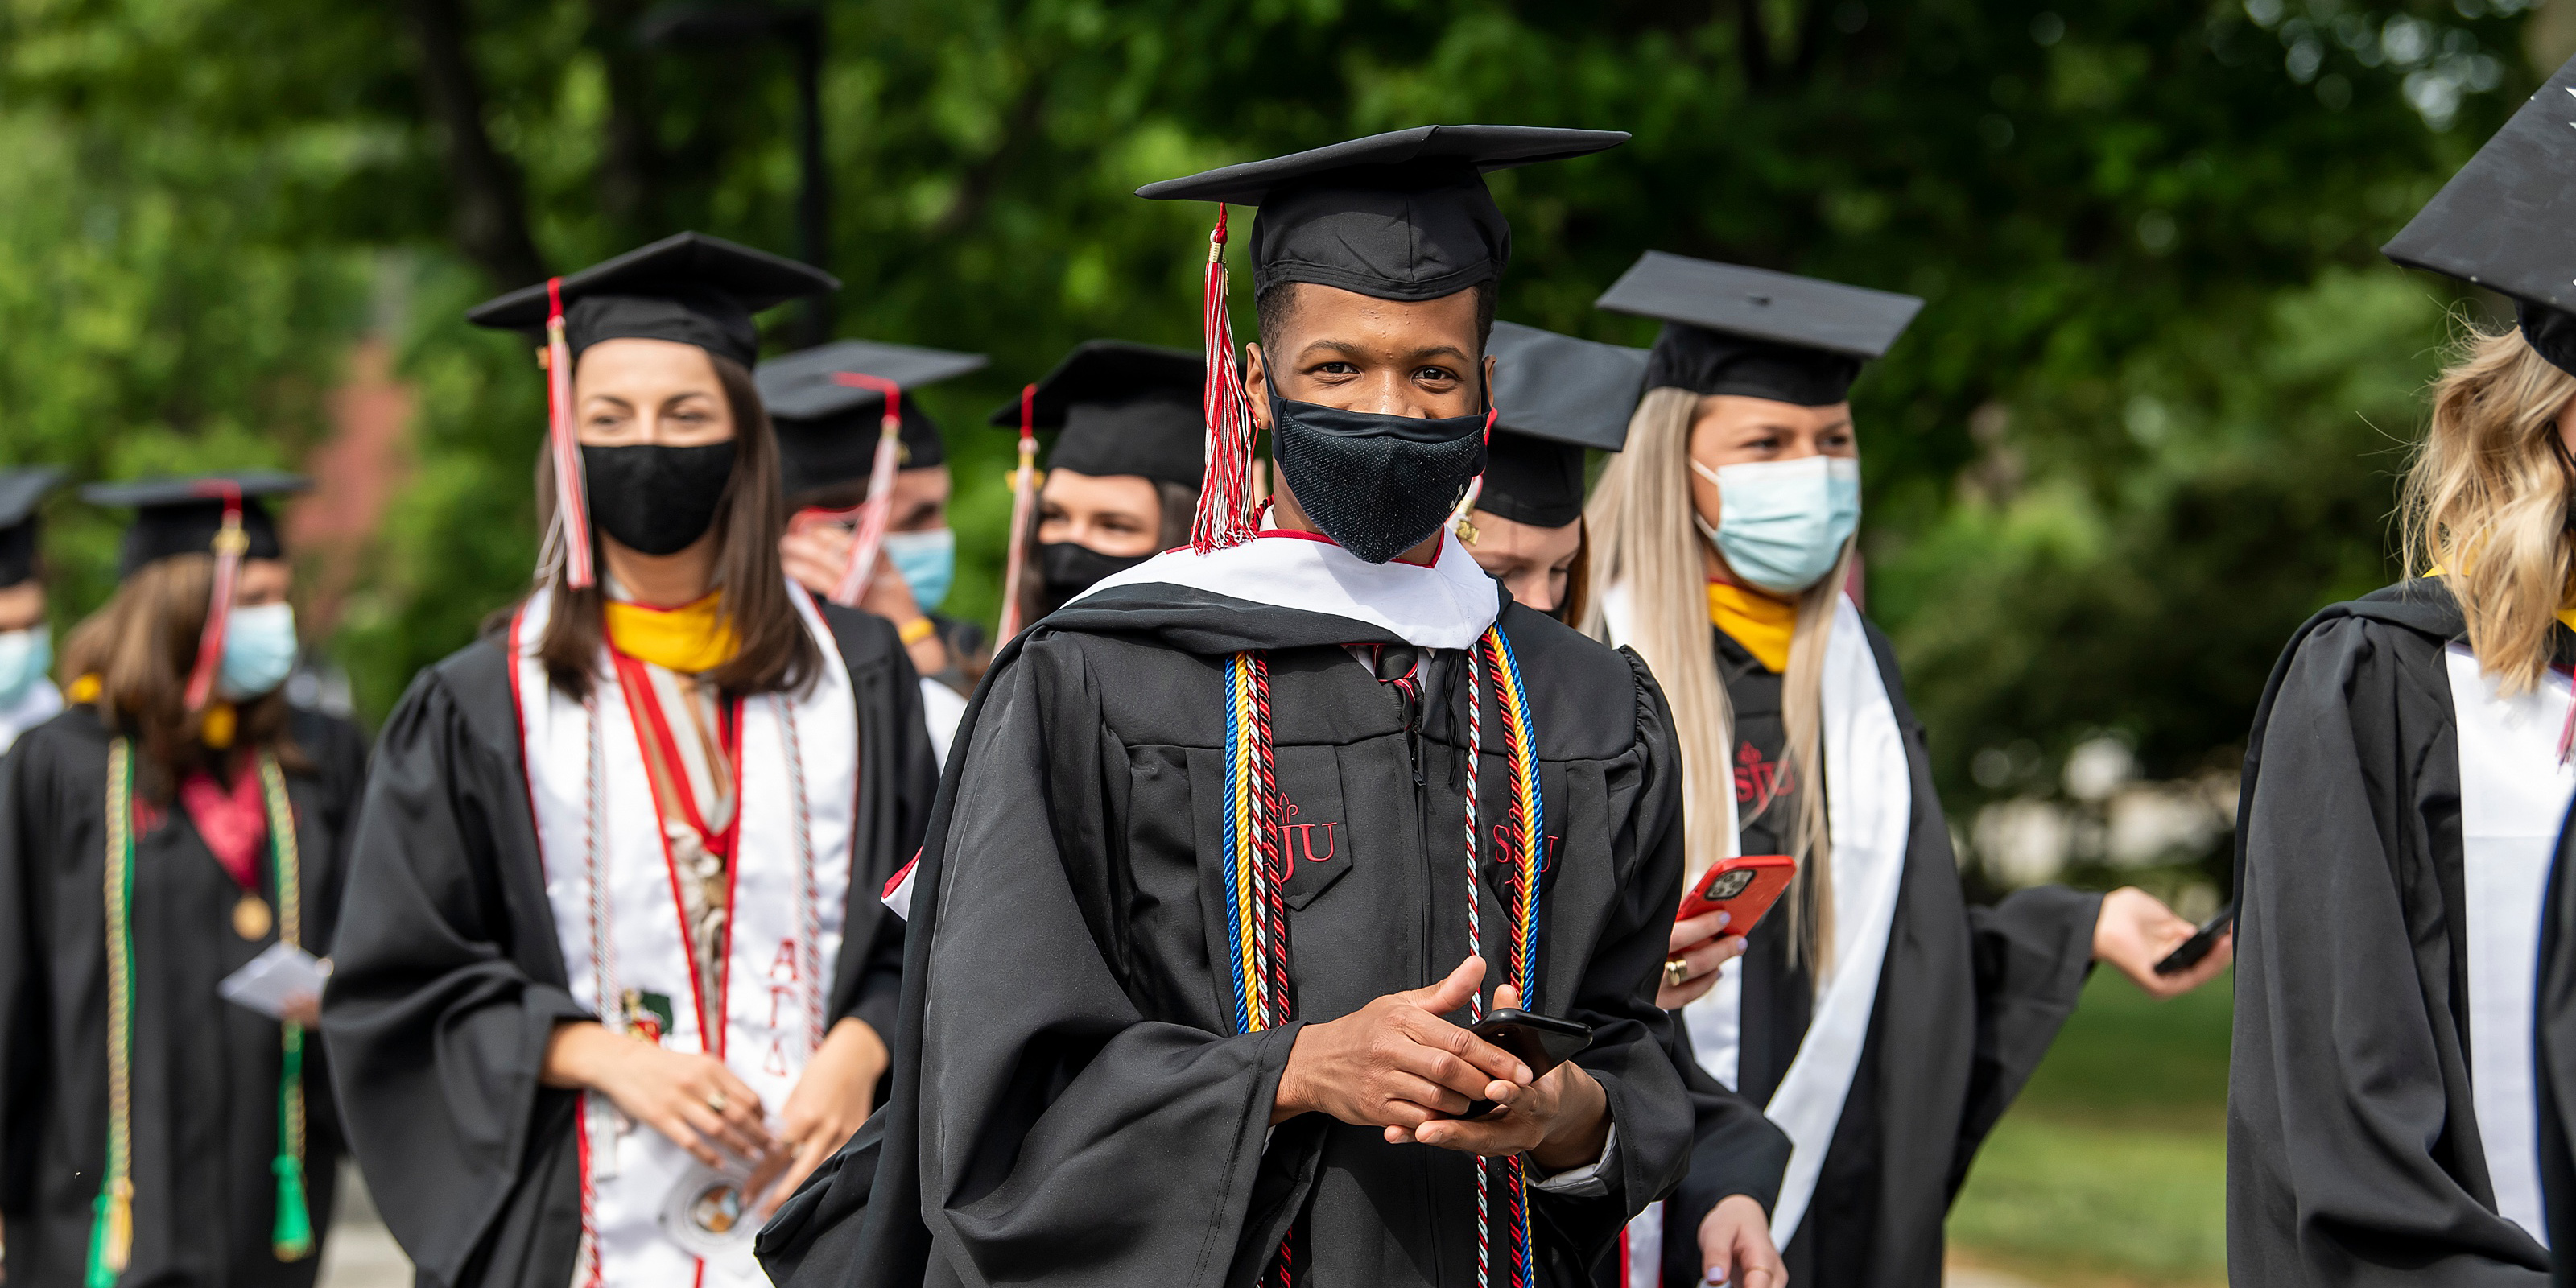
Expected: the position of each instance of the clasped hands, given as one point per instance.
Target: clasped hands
(701, 1106)
(1397, 1065)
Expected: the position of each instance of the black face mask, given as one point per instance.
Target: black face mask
(656, 500)
(1066, 570)
(1376, 484)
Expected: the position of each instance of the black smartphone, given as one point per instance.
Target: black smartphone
(1541, 1041)
(2188, 953)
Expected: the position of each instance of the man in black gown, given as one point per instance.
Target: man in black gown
(1077, 1099)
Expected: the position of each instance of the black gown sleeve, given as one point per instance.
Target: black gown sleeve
(2345, 1164)
(901, 773)
(1650, 1106)
(2031, 954)
(24, 1091)
(1063, 1136)
(436, 1032)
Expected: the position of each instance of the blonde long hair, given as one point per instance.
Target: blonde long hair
(2486, 500)
(1644, 542)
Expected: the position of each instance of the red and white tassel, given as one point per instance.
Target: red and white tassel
(572, 492)
(231, 543)
(1024, 498)
(1225, 511)
(877, 511)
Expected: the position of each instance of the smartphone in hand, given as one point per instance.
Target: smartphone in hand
(1540, 1041)
(2188, 953)
(1743, 887)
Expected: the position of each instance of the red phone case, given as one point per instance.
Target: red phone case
(1750, 883)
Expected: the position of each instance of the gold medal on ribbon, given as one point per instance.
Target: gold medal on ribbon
(251, 918)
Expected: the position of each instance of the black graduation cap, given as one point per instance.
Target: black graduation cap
(1735, 330)
(2502, 221)
(20, 492)
(687, 287)
(827, 428)
(180, 516)
(1554, 396)
(1124, 408)
(1399, 216)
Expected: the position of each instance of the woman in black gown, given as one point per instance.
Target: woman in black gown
(1882, 1022)
(152, 1131)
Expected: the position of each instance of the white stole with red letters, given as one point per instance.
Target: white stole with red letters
(623, 933)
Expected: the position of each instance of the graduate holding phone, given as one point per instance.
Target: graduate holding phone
(1883, 1022)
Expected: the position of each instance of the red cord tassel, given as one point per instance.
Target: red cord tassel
(1024, 499)
(1225, 512)
(877, 511)
(572, 491)
(230, 545)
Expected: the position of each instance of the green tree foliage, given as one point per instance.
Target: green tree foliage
(2145, 424)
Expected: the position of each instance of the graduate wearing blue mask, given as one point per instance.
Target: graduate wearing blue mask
(157, 1131)
(1882, 1022)
(27, 694)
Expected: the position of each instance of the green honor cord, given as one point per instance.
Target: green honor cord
(112, 1236)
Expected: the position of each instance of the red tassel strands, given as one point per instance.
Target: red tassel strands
(878, 510)
(1024, 499)
(569, 537)
(231, 543)
(1225, 513)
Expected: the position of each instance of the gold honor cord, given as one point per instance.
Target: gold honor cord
(292, 1239)
(112, 1235)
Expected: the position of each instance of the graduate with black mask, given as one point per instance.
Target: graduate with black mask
(1122, 479)
(1883, 1023)
(179, 828)
(620, 860)
(1150, 1039)
(2405, 779)
(1555, 396)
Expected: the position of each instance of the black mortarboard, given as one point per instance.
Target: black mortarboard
(1124, 409)
(827, 427)
(180, 516)
(1398, 216)
(687, 287)
(1759, 334)
(20, 492)
(2502, 221)
(1554, 396)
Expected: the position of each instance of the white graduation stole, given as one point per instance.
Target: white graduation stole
(2513, 795)
(1869, 810)
(613, 888)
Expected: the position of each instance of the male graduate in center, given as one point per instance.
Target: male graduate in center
(1212, 893)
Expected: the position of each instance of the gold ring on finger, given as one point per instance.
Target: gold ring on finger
(716, 1101)
(1676, 972)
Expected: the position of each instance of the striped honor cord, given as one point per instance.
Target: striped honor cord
(1525, 846)
(1257, 919)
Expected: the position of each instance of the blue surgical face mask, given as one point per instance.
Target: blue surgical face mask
(259, 649)
(1782, 524)
(25, 656)
(927, 562)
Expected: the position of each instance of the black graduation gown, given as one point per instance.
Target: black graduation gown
(2554, 1052)
(205, 1072)
(2353, 1154)
(1969, 999)
(449, 982)
(1070, 1104)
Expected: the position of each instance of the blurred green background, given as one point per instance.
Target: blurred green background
(2149, 420)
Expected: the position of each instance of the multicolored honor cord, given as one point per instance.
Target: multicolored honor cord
(111, 1244)
(1256, 920)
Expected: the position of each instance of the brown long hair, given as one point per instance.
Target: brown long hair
(2486, 500)
(777, 653)
(141, 645)
(1649, 547)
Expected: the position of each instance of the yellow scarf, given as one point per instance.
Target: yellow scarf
(1761, 624)
(689, 639)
